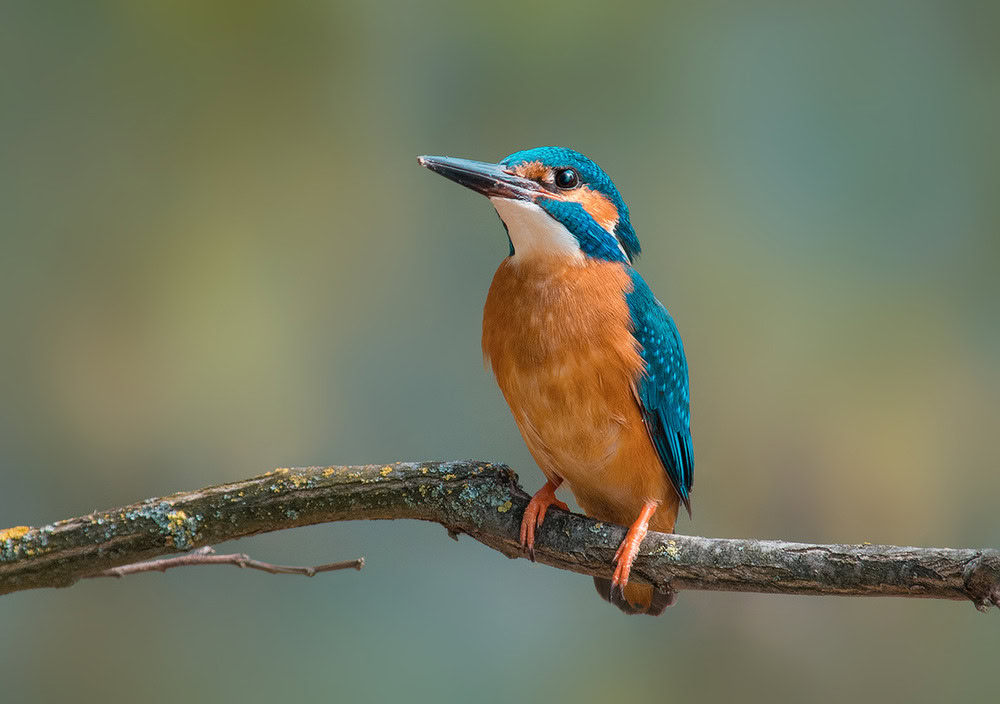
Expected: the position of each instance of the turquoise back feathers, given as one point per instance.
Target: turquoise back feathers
(663, 391)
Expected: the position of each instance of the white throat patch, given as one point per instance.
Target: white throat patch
(534, 232)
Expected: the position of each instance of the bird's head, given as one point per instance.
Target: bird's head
(553, 202)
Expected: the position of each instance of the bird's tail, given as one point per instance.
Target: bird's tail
(639, 598)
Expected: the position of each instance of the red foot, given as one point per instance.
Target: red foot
(535, 514)
(630, 548)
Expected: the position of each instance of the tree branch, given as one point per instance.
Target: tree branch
(485, 502)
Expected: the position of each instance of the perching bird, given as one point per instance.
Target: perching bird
(590, 363)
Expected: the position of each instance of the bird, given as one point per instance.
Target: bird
(589, 361)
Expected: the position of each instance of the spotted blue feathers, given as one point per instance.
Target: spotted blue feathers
(663, 390)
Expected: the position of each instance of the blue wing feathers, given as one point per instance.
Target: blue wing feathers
(663, 390)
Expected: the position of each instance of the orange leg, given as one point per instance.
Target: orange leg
(535, 514)
(630, 548)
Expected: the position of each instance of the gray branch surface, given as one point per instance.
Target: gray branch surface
(483, 501)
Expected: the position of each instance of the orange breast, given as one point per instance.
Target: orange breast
(557, 335)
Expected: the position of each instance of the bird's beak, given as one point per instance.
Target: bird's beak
(492, 180)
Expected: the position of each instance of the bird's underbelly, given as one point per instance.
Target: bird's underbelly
(562, 351)
(588, 431)
(582, 424)
(571, 424)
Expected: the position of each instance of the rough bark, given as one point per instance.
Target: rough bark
(484, 501)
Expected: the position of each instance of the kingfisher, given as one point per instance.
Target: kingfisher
(589, 361)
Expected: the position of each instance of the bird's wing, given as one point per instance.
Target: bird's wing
(662, 391)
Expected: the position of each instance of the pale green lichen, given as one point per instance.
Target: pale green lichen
(180, 529)
(468, 493)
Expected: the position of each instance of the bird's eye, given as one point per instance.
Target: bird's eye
(567, 178)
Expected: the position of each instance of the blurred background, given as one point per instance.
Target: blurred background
(218, 256)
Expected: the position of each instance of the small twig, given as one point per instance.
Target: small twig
(207, 556)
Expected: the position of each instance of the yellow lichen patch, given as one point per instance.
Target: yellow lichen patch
(298, 481)
(449, 476)
(504, 507)
(329, 472)
(423, 490)
(423, 470)
(15, 533)
(672, 548)
(176, 518)
(279, 470)
(385, 471)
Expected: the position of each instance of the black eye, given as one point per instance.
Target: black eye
(567, 178)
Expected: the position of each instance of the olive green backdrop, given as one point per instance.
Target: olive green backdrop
(218, 256)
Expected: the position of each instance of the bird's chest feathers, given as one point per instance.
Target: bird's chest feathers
(558, 337)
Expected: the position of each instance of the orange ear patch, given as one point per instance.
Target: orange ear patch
(597, 206)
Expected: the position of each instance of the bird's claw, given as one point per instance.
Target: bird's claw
(623, 567)
(617, 595)
(534, 515)
(628, 550)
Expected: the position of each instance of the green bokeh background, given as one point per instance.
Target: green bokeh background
(218, 256)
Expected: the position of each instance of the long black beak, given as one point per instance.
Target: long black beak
(492, 180)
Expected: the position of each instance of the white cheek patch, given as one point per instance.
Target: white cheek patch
(534, 232)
